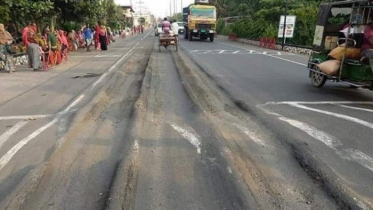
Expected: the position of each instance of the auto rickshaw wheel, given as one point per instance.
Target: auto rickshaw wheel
(317, 79)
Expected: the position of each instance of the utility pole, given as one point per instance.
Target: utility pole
(284, 28)
(170, 8)
(175, 8)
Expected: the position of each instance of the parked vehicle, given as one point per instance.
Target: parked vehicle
(158, 29)
(338, 39)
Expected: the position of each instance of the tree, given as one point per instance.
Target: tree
(260, 18)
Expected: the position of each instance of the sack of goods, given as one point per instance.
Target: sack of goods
(349, 52)
(330, 67)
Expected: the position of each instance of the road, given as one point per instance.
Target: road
(212, 126)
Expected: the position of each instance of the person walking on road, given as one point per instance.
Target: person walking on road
(6, 39)
(88, 35)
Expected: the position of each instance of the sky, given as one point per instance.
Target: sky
(159, 8)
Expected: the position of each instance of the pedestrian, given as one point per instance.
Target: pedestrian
(103, 38)
(175, 28)
(33, 50)
(88, 35)
(97, 36)
(6, 39)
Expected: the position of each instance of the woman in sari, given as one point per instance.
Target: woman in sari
(97, 35)
(65, 43)
(6, 39)
(33, 50)
(103, 38)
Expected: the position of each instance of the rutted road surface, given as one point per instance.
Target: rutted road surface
(134, 128)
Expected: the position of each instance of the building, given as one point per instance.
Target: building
(128, 12)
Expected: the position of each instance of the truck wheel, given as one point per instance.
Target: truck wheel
(211, 37)
(191, 36)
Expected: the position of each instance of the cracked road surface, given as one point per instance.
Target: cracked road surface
(213, 126)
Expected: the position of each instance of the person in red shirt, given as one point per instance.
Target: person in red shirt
(24, 34)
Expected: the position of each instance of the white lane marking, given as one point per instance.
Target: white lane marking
(320, 102)
(253, 136)
(26, 117)
(330, 141)
(342, 116)
(229, 170)
(235, 52)
(189, 135)
(360, 157)
(222, 51)
(8, 156)
(136, 146)
(74, 103)
(110, 55)
(146, 35)
(278, 53)
(114, 66)
(251, 51)
(327, 139)
(302, 64)
(5, 136)
(264, 53)
(356, 108)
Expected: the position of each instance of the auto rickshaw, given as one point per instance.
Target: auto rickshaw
(340, 26)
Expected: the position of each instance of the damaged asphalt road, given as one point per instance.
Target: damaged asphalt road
(194, 129)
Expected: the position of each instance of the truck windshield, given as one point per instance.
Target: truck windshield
(199, 12)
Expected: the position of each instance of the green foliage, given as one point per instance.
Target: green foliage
(65, 11)
(260, 18)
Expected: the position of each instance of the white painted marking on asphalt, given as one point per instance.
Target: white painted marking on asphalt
(222, 51)
(327, 139)
(330, 141)
(116, 63)
(356, 108)
(279, 53)
(190, 135)
(25, 117)
(320, 102)
(8, 156)
(251, 51)
(229, 170)
(5, 136)
(342, 116)
(302, 64)
(109, 55)
(74, 103)
(235, 52)
(264, 53)
(360, 157)
(253, 136)
(136, 145)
